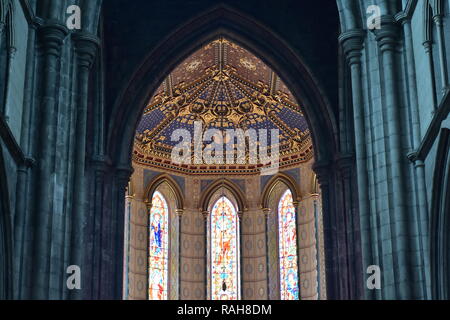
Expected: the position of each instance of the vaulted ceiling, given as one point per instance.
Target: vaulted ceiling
(132, 29)
(222, 86)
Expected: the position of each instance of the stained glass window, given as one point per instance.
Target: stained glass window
(287, 235)
(158, 248)
(224, 251)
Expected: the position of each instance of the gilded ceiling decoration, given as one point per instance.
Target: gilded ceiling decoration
(222, 86)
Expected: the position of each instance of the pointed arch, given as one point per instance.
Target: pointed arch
(287, 180)
(278, 186)
(224, 238)
(288, 247)
(207, 195)
(173, 185)
(428, 21)
(244, 31)
(158, 257)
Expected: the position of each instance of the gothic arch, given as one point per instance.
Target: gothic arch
(287, 180)
(428, 21)
(440, 221)
(221, 21)
(271, 198)
(207, 196)
(158, 181)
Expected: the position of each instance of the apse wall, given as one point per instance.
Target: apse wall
(254, 223)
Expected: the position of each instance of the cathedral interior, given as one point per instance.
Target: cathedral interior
(224, 150)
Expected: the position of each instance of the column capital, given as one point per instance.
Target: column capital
(2, 27)
(205, 214)
(437, 18)
(100, 163)
(428, 45)
(86, 47)
(148, 205)
(345, 164)
(266, 211)
(352, 42)
(123, 175)
(387, 36)
(52, 36)
(179, 212)
(402, 18)
(322, 171)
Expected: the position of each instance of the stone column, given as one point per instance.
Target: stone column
(345, 166)
(419, 166)
(11, 56)
(175, 256)
(23, 173)
(2, 29)
(52, 35)
(93, 241)
(428, 45)
(112, 265)
(85, 49)
(126, 250)
(352, 42)
(442, 52)
(402, 248)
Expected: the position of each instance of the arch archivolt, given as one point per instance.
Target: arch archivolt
(170, 189)
(214, 192)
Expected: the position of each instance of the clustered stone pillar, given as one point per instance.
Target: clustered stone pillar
(442, 52)
(428, 46)
(2, 28)
(11, 56)
(419, 166)
(352, 42)
(404, 251)
(52, 35)
(86, 48)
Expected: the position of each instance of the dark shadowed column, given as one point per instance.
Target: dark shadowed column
(352, 42)
(52, 36)
(86, 48)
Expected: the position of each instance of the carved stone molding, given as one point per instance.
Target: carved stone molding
(52, 36)
(86, 46)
